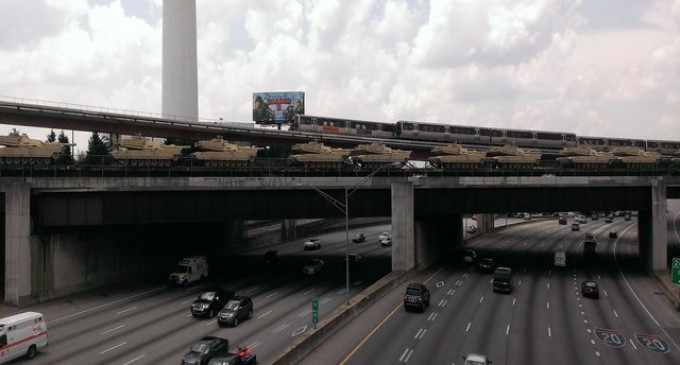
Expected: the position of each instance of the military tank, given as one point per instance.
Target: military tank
(511, 156)
(217, 152)
(631, 156)
(139, 151)
(317, 155)
(676, 160)
(455, 156)
(378, 154)
(22, 150)
(585, 156)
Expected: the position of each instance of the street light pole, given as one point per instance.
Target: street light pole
(344, 208)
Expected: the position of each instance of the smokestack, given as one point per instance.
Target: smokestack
(180, 70)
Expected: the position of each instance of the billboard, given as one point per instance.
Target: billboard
(277, 107)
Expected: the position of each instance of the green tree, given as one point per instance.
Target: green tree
(182, 142)
(67, 149)
(51, 137)
(97, 150)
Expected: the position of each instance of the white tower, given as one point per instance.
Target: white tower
(180, 71)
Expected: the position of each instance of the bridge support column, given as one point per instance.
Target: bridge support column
(485, 222)
(658, 234)
(18, 271)
(288, 229)
(403, 245)
(436, 236)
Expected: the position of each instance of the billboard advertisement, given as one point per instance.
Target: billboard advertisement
(277, 107)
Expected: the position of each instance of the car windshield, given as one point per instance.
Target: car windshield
(180, 269)
(412, 291)
(201, 347)
(473, 362)
(210, 295)
(233, 304)
(312, 262)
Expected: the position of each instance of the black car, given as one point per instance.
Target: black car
(211, 302)
(417, 296)
(486, 264)
(589, 288)
(238, 308)
(271, 258)
(358, 238)
(205, 349)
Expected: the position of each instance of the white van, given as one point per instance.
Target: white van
(22, 335)
(560, 259)
(190, 270)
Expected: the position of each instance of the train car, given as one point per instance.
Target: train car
(360, 128)
(448, 133)
(608, 144)
(664, 148)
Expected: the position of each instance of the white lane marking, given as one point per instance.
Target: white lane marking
(606, 294)
(507, 330)
(211, 323)
(188, 300)
(458, 283)
(406, 355)
(514, 300)
(442, 303)
(306, 312)
(135, 359)
(549, 332)
(588, 330)
(341, 292)
(254, 344)
(467, 329)
(548, 286)
(616, 259)
(592, 341)
(106, 305)
(309, 291)
(466, 275)
(547, 305)
(632, 343)
(420, 334)
(616, 314)
(481, 300)
(112, 329)
(326, 300)
(280, 328)
(250, 290)
(264, 314)
(127, 310)
(113, 348)
(450, 292)
(432, 316)
(597, 353)
(189, 315)
(519, 283)
(270, 295)
(299, 331)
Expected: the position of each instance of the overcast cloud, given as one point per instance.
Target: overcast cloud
(597, 68)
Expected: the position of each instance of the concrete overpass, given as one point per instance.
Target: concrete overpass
(63, 235)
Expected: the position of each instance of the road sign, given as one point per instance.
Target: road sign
(675, 271)
(315, 310)
(610, 337)
(652, 342)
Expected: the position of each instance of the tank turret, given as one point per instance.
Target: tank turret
(217, 152)
(379, 154)
(455, 156)
(512, 156)
(631, 156)
(22, 150)
(139, 151)
(318, 155)
(584, 155)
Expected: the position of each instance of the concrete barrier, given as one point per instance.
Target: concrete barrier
(341, 316)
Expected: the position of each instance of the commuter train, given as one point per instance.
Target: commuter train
(484, 137)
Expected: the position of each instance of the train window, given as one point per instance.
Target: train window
(520, 134)
(670, 145)
(549, 136)
(490, 132)
(462, 130)
(388, 127)
(432, 128)
(640, 143)
(570, 137)
(592, 141)
(620, 142)
(406, 126)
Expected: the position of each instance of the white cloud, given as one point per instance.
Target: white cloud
(536, 64)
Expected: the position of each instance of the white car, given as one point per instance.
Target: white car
(313, 244)
(476, 359)
(387, 241)
(385, 235)
(313, 267)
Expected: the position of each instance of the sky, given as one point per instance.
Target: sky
(591, 67)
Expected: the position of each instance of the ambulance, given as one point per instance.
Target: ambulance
(22, 335)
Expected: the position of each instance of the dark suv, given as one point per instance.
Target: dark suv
(238, 308)
(210, 302)
(417, 296)
(206, 348)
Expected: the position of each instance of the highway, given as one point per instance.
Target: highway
(544, 320)
(152, 324)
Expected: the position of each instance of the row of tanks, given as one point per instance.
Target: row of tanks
(625, 156)
(139, 151)
(22, 150)
(317, 155)
(454, 156)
